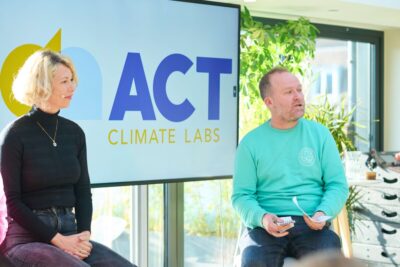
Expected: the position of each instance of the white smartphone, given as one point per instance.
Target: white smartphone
(286, 227)
(286, 220)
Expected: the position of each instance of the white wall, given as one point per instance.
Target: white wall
(392, 90)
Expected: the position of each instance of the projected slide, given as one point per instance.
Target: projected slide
(157, 92)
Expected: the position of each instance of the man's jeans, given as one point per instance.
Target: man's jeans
(22, 249)
(260, 249)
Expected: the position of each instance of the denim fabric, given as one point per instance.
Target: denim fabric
(22, 249)
(260, 249)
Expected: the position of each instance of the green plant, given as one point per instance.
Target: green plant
(337, 119)
(262, 47)
(351, 205)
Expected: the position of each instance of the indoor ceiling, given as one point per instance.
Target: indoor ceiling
(371, 14)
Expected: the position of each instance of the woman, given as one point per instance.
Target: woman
(3, 212)
(44, 169)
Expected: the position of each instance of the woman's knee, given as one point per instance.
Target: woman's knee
(42, 255)
(104, 256)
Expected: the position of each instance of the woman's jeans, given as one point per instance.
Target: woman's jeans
(260, 249)
(22, 248)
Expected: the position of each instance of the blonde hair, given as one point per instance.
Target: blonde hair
(32, 85)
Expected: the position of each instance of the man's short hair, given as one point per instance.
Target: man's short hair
(265, 82)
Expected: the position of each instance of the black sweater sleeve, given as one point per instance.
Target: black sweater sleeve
(11, 165)
(83, 206)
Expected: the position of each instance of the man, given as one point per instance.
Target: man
(286, 156)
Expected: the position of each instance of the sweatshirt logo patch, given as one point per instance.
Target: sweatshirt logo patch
(306, 156)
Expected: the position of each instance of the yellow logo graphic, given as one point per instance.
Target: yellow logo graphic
(13, 63)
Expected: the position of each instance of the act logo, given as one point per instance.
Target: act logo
(133, 71)
(86, 103)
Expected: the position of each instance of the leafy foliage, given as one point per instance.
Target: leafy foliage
(351, 205)
(262, 47)
(336, 119)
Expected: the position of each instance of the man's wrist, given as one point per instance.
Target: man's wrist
(262, 219)
(265, 219)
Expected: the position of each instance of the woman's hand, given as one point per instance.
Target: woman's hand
(85, 245)
(77, 245)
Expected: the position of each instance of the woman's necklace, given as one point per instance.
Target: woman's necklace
(55, 132)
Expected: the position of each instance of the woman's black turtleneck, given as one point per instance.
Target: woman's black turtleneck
(37, 175)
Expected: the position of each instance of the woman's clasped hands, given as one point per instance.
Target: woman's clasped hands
(78, 245)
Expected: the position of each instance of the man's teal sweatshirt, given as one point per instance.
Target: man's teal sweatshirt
(273, 165)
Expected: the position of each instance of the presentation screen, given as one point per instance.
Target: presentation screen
(157, 95)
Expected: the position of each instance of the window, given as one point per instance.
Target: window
(112, 218)
(342, 72)
(210, 224)
(363, 73)
(156, 225)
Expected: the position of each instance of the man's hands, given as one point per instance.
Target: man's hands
(77, 245)
(315, 225)
(269, 223)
